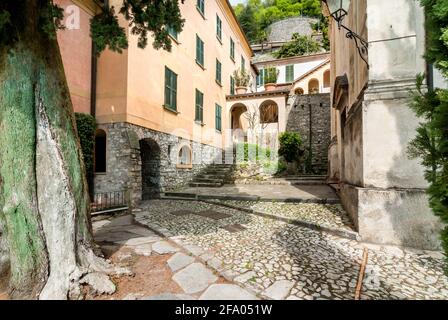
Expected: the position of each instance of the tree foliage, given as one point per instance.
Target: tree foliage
(299, 46)
(431, 142)
(257, 15)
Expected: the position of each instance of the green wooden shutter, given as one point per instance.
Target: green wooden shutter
(199, 106)
(201, 6)
(218, 71)
(199, 51)
(218, 28)
(170, 89)
(232, 85)
(218, 111)
(243, 63)
(232, 49)
(289, 73)
(174, 90)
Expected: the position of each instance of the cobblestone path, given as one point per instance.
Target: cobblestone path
(278, 260)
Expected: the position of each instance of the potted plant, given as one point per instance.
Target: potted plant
(242, 80)
(270, 78)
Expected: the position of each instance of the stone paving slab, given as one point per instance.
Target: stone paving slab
(179, 261)
(163, 247)
(215, 215)
(194, 278)
(279, 290)
(169, 296)
(226, 292)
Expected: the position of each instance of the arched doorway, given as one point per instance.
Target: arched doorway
(100, 151)
(150, 154)
(327, 79)
(238, 123)
(268, 112)
(313, 86)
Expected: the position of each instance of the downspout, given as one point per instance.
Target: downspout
(310, 154)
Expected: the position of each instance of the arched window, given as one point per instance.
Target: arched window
(184, 158)
(268, 112)
(100, 151)
(298, 91)
(313, 86)
(327, 79)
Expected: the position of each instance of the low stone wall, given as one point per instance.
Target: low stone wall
(125, 169)
(392, 216)
(309, 115)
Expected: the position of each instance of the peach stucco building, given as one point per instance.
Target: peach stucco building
(162, 115)
(76, 50)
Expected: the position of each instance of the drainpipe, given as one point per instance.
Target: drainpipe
(310, 154)
(93, 78)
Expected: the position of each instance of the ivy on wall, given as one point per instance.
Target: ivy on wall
(86, 126)
(431, 142)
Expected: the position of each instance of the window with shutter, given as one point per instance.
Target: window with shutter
(218, 111)
(170, 89)
(289, 73)
(199, 51)
(199, 106)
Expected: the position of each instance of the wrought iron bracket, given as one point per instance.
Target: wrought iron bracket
(361, 45)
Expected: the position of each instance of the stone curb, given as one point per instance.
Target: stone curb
(203, 257)
(193, 196)
(351, 235)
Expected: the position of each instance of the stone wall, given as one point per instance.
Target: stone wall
(309, 115)
(128, 145)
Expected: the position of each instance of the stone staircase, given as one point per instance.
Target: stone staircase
(214, 176)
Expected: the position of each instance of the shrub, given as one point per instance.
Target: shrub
(253, 152)
(290, 146)
(86, 126)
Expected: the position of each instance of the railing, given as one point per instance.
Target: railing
(104, 202)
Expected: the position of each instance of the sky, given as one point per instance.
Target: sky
(235, 2)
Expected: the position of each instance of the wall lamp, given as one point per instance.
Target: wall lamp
(338, 10)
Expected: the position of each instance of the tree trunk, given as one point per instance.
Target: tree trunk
(44, 203)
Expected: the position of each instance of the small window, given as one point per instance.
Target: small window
(313, 86)
(100, 151)
(172, 32)
(243, 63)
(184, 156)
(218, 71)
(218, 111)
(232, 49)
(232, 85)
(199, 106)
(200, 5)
(218, 28)
(290, 73)
(170, 89)
(260, 78)
(199, 51)
(327, 79)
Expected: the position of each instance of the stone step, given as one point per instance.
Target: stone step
(211, 180)
(306, 177)
(205, 184)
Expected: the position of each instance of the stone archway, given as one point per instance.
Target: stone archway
(238, 123)
(150, 155)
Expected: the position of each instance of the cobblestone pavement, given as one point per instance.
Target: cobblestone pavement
(327, 215)
(162, 270)
(278, 260)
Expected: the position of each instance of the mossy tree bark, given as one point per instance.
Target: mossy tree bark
(44, 203)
